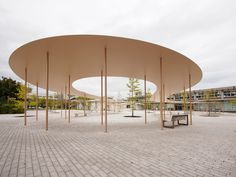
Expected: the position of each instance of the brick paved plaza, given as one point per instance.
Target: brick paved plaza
(130, 148)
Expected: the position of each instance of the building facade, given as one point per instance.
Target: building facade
(221, 99)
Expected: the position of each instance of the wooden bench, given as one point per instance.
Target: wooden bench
(174, 118)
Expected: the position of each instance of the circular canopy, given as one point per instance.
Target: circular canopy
(82, 56)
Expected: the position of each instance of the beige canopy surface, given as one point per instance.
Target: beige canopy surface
(82, 56)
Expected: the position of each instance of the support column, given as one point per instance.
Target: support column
(69, 100)
(47, 87)
(190, 100)
(164, 101)
(61, 103)
(25, 100)
(65, 103)
(184, 100)
(101, 97)
(161, 104)
(145, 98)
(37, 100)
(106, 90)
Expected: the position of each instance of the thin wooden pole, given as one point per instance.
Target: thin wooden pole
(102, 97)
(37, 99)
(69, 100)
(190, 100)
(61, 103)
(105, 89)
(65, 103)
(161, 104)
(184, 100)
(164, 101)
(47, 87)
(145, 98)
(25, 100)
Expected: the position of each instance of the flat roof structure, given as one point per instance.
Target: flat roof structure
(82, 56)
(51, 63)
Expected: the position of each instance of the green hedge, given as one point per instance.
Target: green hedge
(12, 107)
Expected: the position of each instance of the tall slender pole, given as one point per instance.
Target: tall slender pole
(37, 99)
(161, 104)
(190, 100)
(47, 87)
(61, 103)
(164, 101)
(145, 98)
(69, 100)
(102, 97)
(105, 89)
(184, 99)
(65, 103)
(25, 100)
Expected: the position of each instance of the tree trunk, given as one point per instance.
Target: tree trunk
(84, 111)
(209, 112)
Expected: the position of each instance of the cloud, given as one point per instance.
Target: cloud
(203, 30)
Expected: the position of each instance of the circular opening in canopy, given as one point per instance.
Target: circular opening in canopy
(117, 86)
(58, 61)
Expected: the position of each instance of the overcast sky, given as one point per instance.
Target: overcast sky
(203, 30)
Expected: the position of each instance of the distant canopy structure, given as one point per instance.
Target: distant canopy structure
(54, 63)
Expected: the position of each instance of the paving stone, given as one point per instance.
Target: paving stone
(130, 148)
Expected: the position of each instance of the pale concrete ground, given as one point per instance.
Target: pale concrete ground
(130, 148)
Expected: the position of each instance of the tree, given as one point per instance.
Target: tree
(184, 96)
(10, 102)
(233, 103)
(134, 92)
(55, 102)
(50, 103)
(148, 97)
(8, 89)
(42, 102)
(21, 92)
(206, 97)
(84, 101)
(209, 97)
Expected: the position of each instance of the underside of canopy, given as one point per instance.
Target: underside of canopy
(82, 56)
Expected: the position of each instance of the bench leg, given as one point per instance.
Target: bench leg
(171, 126)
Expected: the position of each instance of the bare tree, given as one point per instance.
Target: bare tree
(134, 91)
